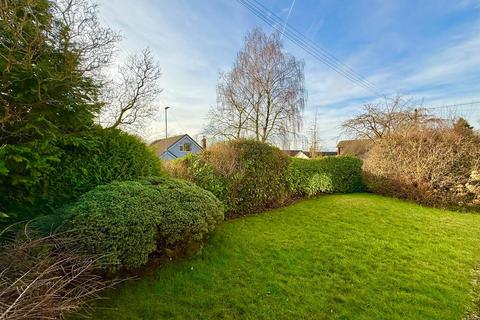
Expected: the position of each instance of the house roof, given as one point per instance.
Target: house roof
(355, 147)
(328, 153)
(161, 145)
(293, 153)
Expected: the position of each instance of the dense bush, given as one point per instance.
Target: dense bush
(248, 176)
(127, 221)
(325, 175)
(432, 166)
(37, 177)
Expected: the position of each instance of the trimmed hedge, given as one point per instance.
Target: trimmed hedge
(246, 175)
(308, 177)
(127, 221)
(37, 178)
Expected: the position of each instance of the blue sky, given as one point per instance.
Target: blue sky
(428, 50)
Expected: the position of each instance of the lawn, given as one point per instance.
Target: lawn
(335, 257)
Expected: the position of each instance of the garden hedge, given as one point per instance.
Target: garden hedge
(431, 166)
(127, 221)
(308, 177)
(246, 175)
(36, 178)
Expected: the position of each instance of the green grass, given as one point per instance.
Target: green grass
(336, 257)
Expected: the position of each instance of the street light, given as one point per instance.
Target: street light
(166, 127)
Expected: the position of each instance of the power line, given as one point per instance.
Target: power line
(454, 105)
(274, 21)
(307, 45)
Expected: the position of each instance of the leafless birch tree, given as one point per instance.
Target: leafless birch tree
(263, 95)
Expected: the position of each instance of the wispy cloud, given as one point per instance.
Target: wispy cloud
(288, 16)
(433, 56)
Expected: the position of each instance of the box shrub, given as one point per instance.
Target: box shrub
(186, 212)
(127, 221)
(37, 177)
(325, 175)
(246, 175)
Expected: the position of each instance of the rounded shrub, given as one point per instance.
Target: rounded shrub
(127, 221)
(325, 175)
(187, 213)
(38, 177)
(117, 221)
(246, 175)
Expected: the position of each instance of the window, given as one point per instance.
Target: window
(186, 147)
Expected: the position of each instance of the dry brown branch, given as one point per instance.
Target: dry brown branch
(45, 277)
(433, 166)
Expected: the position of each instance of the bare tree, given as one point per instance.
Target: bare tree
(263, 96)
(314, 138)
(388, 116)
(229, 119)
(131, 100)
(82, 31)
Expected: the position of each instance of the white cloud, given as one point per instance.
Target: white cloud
(194, 40)
(451, 64)
(190, 49)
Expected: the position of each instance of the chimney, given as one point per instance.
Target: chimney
(204, 142)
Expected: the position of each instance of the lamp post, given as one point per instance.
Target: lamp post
(166, 123)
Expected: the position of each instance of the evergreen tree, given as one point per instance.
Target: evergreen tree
(45, 87)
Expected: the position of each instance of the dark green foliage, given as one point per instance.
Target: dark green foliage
(261, 183)
(194, 167)
(325, 175)
(246, 175)
(186, 212)
(118, 221)
(37, 177)
(127, 221)
(44, 90)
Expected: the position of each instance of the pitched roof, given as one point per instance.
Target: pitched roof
(161, 145)
(346, 143)
(292, 153)
(328, 153)
(357, 147)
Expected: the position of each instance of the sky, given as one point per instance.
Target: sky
(425, 50)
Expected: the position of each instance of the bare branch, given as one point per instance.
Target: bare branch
(391, 115)
(46, 277)
(263, 96)
(131, 101)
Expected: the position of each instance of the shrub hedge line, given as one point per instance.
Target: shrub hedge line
(127, 221)
(431, 166)
(309, 177)
(95, 185)
(246, 175)
(250, 176)
(36, 178)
